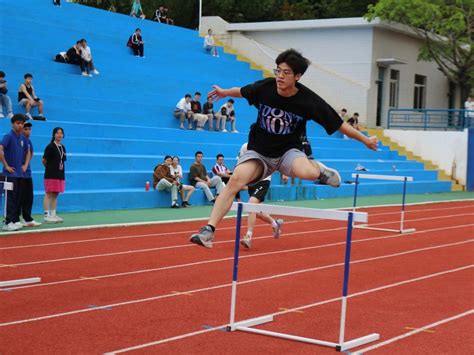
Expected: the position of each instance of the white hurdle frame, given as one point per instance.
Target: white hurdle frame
(8, 186)
(246, 325)
(405, 179)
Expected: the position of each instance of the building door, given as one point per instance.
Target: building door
(380, 83)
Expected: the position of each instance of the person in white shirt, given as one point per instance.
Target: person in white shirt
(209, 45)
(227, 113)
(87, 56)
(469, 105)
(177, 172)
(183, 110)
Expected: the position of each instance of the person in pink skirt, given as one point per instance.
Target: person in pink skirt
(53, 159)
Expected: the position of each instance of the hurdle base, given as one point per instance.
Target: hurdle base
(246, 326)
(20, 282)
(401, 231)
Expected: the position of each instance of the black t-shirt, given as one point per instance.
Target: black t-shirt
(196, 106)
(281, 121)
(353, 121)
(208, 108)
(55, 156)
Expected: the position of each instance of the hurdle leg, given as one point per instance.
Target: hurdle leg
(236, 269)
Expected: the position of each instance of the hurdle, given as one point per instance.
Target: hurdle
(8, 186)
(405, 179)
(247, 325)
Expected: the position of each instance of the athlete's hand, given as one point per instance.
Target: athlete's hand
(372, 143)
(216, 94)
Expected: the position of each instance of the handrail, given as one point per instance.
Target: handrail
(430, 119)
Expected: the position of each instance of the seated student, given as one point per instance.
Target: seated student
(159, 15)
(177, 172)
(208, 109)
(209, 45)
(227, 113)
(199, 117)
(221, 170)
(73, 56)
(27, 98)
(5, 100)
(165, 17)
(182, 110)
(87, 57)
(199, 178)
(164, 181)
(354, 121)
(137, 10)
(136, 43)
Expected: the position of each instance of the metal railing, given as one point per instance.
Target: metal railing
(430, 119)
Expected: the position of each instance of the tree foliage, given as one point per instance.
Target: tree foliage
(446, 27)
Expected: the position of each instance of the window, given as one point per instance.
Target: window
(420, 91)
(394, 83)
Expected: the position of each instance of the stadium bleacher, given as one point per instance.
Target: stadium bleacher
(119, 125)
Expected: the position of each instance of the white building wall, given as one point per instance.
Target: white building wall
(448, 150)
(391, 44)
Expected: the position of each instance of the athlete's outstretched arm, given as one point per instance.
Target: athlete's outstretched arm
(348, 130)
(219, 92)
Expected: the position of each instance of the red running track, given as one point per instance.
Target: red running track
(156, 288)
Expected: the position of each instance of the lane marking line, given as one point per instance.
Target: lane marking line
(332, 300)
(423, 330)
(288, 310)
(220, 242)
(413, 332)
(136, 272)
(125, 303)
(182, 293)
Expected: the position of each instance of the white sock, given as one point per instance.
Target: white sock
(274, 223)
(53, 213)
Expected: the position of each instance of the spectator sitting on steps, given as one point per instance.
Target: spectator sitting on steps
(227, 113)
(87, 57)
(182, 110)
(354, 121)
(199, 178)
(137, 10)
(164, 181)
(27, 98)
(136, 43)
(209, 45)
(199, 117)
(4, 98)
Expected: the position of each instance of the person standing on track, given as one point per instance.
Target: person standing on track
(257, 194)
(284, 106)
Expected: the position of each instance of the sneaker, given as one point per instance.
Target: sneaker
(19, 225)
(224, 130)
(84, 74)
(174, 205)
(96, 72)
(32, 223)
(10, 115)
(328, 176)
(235, 131)
(2, 115)
(28, 116)
(49, 220)
(246, 241)
(277, 229)
(186, 204)
(58, 219)
(10, 227)
(204, 237)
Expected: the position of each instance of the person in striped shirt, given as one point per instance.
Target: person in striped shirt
(221, 170)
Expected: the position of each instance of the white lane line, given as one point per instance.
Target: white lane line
(381, 288)
(192, 245)
(413, 332)
(228, 285)
(192, 231)
(193, 264)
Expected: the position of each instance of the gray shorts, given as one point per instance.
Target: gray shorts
(283, 164)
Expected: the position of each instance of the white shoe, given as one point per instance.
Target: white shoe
(19, 225)
(224, 130)
(328, 176)
(84, 74)
(246, 241)
(2, 115)
(10, 115)
(58, 219)
(96, 72)
(10, 227)
(277, 229)
(31, 223)
(235, 131)
(28, 116)
(50, 220)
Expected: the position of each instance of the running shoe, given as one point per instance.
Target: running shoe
(246, 241)
(328, 176)
(277, 229)
(204, 237)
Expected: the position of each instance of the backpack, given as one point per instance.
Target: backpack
(129, 42)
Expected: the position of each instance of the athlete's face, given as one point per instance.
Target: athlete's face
(285, 77)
